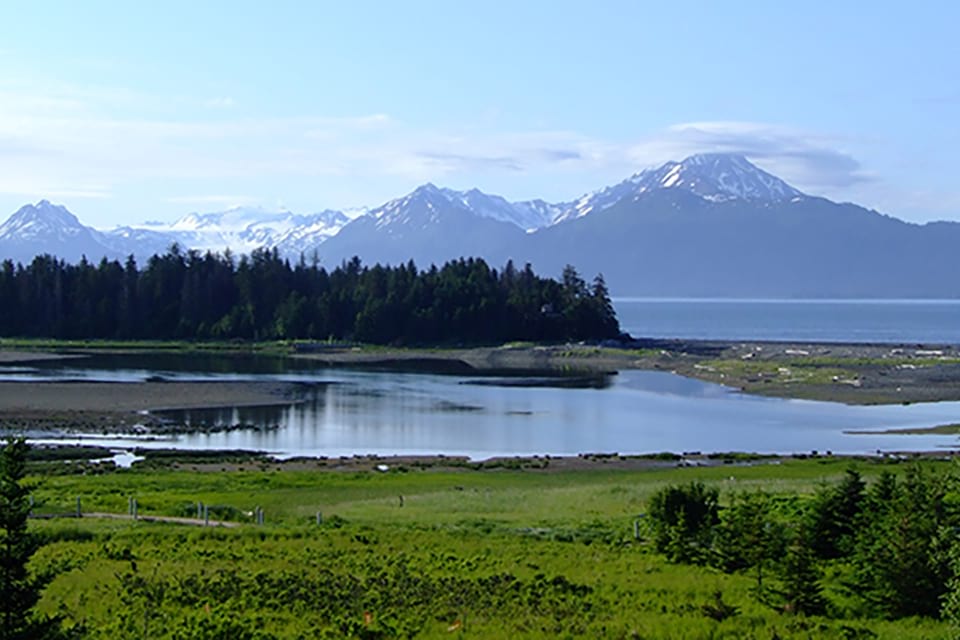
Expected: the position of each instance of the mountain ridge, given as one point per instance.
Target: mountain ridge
(712, 224)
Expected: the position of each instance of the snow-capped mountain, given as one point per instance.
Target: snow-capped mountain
(541, 212)
(47, 228)
(312, 231)
(423, 205)
(710, 225)
(139, 242)
(42, 220)
(718, 177)
(529, 216)
(429, 225)
(243, 229)
(418, 209)
(713, 176)
(240, 229)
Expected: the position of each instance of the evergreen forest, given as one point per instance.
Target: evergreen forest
(193, 295)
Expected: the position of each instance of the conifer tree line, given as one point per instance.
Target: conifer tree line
(889, 549)
(192, 295)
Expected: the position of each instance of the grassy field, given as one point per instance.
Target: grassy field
(415, 553)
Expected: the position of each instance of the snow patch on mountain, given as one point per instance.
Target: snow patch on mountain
(427, 203)
(240, 230)
(45, 227)
(717, 177)
(42, 221)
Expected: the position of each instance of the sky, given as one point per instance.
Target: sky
(134, 111)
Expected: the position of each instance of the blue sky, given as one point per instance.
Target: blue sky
(128, 111)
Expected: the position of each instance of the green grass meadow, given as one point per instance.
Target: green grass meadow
(413, 553)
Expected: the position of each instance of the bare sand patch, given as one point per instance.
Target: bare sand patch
(121, 406)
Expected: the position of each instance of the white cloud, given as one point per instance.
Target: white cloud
(225, 102)
(68, 136)
(214, 200)
(11, 185)
(810, 160)
(90, 142)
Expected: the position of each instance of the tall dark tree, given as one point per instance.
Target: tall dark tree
(834, 515)
(800, 575)
(748, 536)
(606, 316)
(19, 592)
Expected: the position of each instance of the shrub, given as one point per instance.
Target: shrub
(682, 518)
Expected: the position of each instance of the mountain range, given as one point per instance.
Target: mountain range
(711, 225)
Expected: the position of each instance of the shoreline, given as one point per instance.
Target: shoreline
(849, 373)
(208, 461)
(125, 407)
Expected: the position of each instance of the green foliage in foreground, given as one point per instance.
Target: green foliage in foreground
(492, 554)
(895, 543)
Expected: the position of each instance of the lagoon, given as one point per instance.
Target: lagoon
(355, 412)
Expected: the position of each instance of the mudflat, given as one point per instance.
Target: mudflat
(18, 357)
(847, 373)
(121, 406)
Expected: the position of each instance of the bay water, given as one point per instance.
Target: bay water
(863, 321)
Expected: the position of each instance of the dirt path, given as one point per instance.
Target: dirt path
(196, 522)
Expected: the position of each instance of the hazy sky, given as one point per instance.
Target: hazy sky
(127, 111)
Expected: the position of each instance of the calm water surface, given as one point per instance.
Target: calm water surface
(358, 412)
(887, 321)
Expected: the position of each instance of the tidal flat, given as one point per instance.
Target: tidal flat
(850, 373)
(854, 374)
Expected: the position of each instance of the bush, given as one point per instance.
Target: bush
(682, 518)
(902, 557)
(834, 515)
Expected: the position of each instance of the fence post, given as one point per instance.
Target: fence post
(319, 518)
(78, 506)
(206, 515)
(199, 510)
(134, 508)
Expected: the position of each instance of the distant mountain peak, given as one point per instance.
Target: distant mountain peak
(717, 157)
(45, 227)
(427, 188)
(717, 177)
(42, 218)
(428, 202)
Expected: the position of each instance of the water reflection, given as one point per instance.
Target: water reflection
(641, 411)
(346, 412)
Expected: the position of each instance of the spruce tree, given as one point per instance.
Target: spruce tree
(802, 591)
(18, 591)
